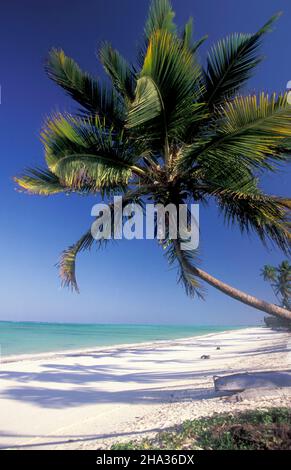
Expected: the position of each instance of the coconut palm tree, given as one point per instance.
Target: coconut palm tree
(280, 280)
(269, 274)
(170, 131)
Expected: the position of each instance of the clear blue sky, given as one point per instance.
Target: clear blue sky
(127, 281)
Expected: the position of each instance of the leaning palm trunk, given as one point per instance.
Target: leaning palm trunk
(232, 291)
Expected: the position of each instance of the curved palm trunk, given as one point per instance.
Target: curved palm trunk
(232, 291)
(242, 296)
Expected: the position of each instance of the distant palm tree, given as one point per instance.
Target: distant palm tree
(170, 131)
(280, 280)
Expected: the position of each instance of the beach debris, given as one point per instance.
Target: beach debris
(239, 382)
(218, 347)
(205, 356)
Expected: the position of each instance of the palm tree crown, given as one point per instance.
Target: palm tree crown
(170, 131)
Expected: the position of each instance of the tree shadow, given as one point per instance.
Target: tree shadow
(59, 398)
(56, 440)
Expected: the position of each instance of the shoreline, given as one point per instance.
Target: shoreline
(59, 353)
(90, 399)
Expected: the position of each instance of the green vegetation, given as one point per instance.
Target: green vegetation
(280, 280)
(252, 430)
(167, 130)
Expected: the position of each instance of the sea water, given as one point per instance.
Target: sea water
(18, 338)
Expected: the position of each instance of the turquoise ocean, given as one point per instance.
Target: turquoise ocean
(17, 338)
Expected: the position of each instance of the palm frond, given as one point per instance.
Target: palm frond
(160, 17)
(176, 76)
(260, 213)
(243, 203)
(248, 130)
(260, 125)
(179, 258)
(146, 117)
(231, 62)
(187, 34)
(147, 104)
(95, 170)
(118, 69)
(67, 263)
(83, 152)
(83, 88)
(198, 43)
(42, 182)
(284, 202)
(269, 273)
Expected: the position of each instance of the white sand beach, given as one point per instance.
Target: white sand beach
(90, 399)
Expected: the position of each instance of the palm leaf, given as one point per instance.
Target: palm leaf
(231, 62)
(176, 257)
(147, 104)
(260, 213)
(42, 182)
(87, 91)
(187, 37)
(160, 17)
(146, 117)
(82, 152)
(269, 273)
(118, 70)
(67, 263)
(248, 130)
(187, 34)
(177, 79)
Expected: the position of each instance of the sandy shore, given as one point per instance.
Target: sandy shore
(89, 399)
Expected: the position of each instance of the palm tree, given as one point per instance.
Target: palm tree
(269, 274)
(170, 131)
(283, 287)
(280, 280)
